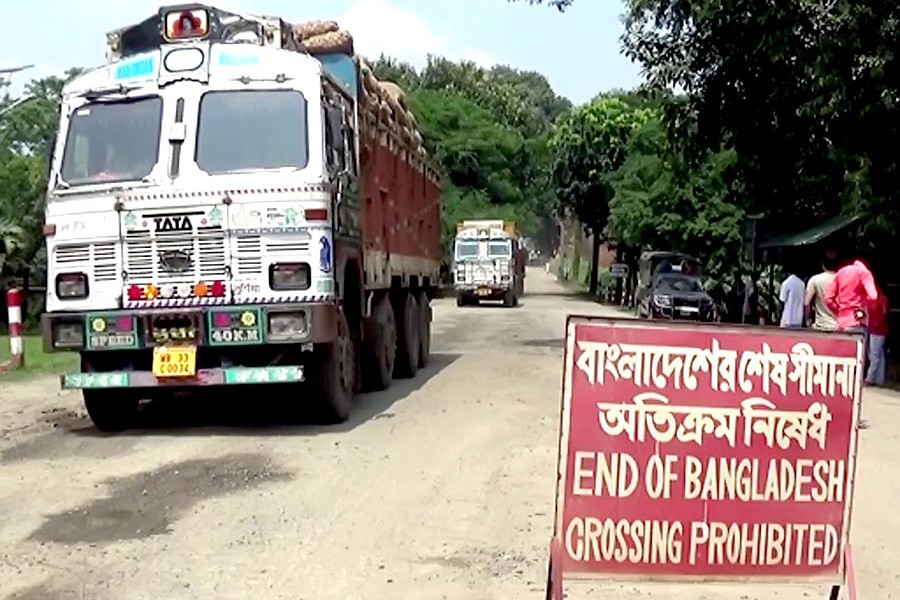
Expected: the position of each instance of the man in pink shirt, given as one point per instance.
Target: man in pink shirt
(851, 294)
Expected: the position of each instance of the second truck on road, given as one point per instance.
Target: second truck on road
(488, 262)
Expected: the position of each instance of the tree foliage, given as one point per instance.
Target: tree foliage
(488, 130)
(589, 144)
(663, 201)
(805, 90)
(27, 132)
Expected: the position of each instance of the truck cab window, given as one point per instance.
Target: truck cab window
(335, 138)
(112, 141)
(250, 130)
(499, 249)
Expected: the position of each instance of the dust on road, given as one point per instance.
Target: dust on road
(441, 487)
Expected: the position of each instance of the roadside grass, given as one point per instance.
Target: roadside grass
(37, 362)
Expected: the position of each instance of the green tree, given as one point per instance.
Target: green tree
(27, 131)
(590, 144)
(488, 130)
(662, 201)
(805, 90)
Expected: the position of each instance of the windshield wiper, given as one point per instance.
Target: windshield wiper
(101, 93)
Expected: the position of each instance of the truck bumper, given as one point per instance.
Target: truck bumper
(493, 291)
(204, 377)
(234, 345)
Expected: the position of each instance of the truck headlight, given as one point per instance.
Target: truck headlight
(68, 334)
(289, 276)
(71, 286)
(288, 325)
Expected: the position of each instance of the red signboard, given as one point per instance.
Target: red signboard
(706, 452)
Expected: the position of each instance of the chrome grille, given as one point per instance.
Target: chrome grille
(206, 249)
(98, 260)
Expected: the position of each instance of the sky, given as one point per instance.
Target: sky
(578, 51)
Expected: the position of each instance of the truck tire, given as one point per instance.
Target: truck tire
(111, 410)
(408, 319)
(424, 329)
(334, 377)
(380, 347)
(461, 300)
(509, 299)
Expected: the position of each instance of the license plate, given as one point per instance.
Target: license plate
(174, 361)
(484, 292)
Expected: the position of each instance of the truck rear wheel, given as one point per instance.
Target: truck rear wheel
(380, 347)
(335, 376)
(424, 330)
(111, 410)
(408, 320)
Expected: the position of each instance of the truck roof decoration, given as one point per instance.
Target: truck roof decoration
(484, 228)
(197, 22)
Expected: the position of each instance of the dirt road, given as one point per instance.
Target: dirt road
(441, 487)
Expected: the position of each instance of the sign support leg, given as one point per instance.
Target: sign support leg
(554, 572)
(851, 577)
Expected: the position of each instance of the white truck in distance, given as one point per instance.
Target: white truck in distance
(488, 263)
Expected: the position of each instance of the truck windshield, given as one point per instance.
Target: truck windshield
(112, 141)
(499, 249)
(467, 249)
(250, 130)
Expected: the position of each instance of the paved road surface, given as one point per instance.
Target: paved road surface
(441, 487)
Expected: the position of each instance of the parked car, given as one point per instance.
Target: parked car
(679, 296)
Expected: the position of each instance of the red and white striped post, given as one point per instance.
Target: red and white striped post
(16, 345)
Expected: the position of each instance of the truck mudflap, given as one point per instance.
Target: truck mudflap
(204, 377)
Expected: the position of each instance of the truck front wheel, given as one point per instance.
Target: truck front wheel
(335, 376)
(509, 299)
(111, 409)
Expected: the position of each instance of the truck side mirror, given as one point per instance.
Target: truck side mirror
(51, 152)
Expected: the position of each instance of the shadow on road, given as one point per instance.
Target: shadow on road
(257, 409)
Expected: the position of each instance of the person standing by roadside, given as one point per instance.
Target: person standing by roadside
(850, 295)
(818, 313)
(878, 331)
(792, 294)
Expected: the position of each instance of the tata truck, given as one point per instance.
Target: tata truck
(488, 263)
(228, 208)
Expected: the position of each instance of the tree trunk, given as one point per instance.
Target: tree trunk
(595, 265)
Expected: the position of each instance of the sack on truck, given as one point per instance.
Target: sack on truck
(326, 43)
(310, 29)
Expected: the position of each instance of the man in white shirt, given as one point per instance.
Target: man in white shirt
(792, 296)
(820, 316)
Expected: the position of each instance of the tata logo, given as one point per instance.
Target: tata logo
(172, 224)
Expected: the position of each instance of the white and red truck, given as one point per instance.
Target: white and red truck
(231, 204)
(488, 262)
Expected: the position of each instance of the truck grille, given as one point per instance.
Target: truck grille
(481, 272)
(206, 249)
(99, 260)
(248, 252)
